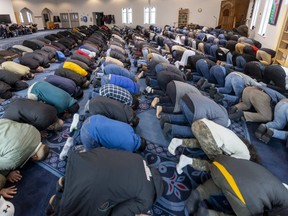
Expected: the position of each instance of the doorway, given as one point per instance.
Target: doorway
(65, 23)
(98, 18)
(46, 17)
(74, 18)
(233, 13)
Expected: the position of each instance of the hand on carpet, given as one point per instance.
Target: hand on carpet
(14, 176)
(8, 192)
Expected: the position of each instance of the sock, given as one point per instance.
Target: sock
(285, 185)
(175, 142)
(184, 161)
(74, 122)
(149, 89)
(86, 107)
(67, 146)
(158, 111)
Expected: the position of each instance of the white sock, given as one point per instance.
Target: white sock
(149, 89)
(285, 185)
(184, 161)
(67, 146)
(74, 122)
(175, 143)
(86, 107)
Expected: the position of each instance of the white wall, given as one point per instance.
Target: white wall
(36, 6)
(166, 10)
(7, 8)
(273, 31)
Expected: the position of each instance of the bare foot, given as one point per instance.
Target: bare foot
(43, 134)
(14, 176)
(140, 74)
(158, 112)
(155, 102)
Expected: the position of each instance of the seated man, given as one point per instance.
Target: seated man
(249, 188)
(115, 183)
(50, 94)
(96, 132)
(40, 115)
(16, 150)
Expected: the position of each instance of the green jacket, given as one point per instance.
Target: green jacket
(18, 142)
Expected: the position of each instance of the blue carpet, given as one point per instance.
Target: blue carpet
(34, 190)
(8, 42)
(273, 156)
(39, 179)
(149, 128)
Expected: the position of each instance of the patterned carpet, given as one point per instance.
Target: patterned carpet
(177, 187)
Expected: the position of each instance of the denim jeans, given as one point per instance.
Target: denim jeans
(218, 73)
(105, 80)
(234, 83)
(119, 71)
(145, 53)
(159, 68)
(240, 63)
(85, 136)
(280, 120)
(180, 122)
(203, 69)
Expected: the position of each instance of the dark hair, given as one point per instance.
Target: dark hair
(135, 121)
(74, 108)
(253, 153)
(135, 102)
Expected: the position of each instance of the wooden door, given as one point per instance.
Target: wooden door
(65, 20)
(226, 17)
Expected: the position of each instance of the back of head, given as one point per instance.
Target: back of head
(135, 103)
(42, 152)
(253, 153)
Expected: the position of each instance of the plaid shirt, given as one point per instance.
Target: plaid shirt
(116, 93)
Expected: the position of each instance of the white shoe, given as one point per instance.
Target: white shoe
(74, 122)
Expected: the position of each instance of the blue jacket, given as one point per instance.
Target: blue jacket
(113, 134)
(121, 81)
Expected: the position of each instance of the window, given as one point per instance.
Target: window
(21, 17)
(127, 15)
(29, 17)
(255, 13)
(265, 18)
(152, 15)
(149, 15)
